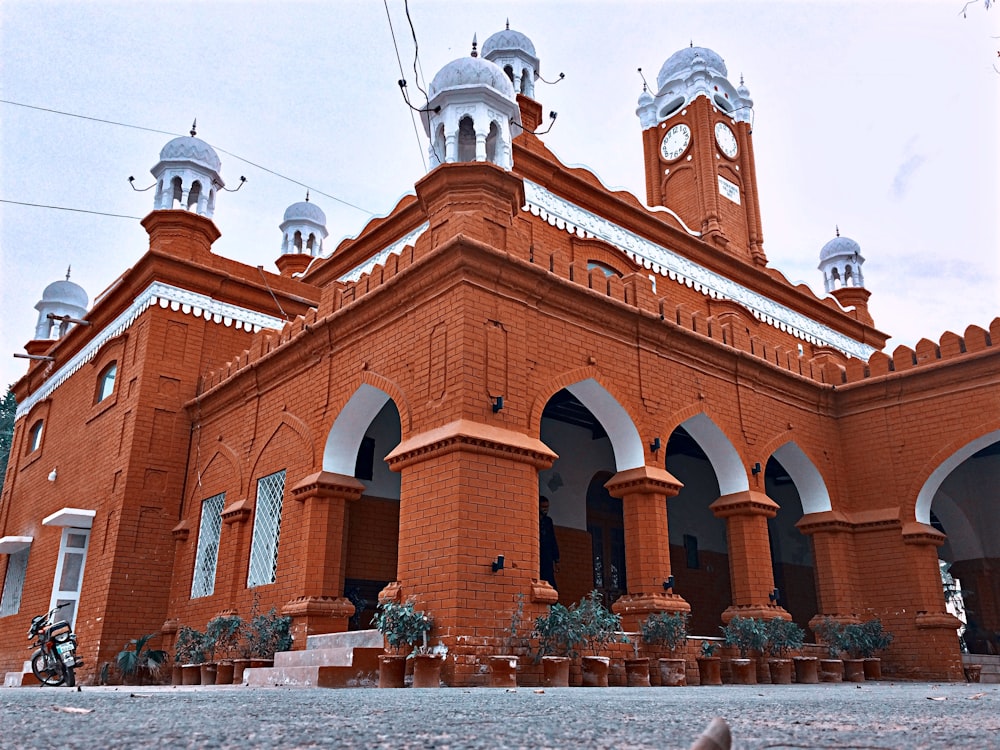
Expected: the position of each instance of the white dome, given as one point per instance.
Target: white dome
(839, 247)
(508, 40)
(305, 211)
(645, 98)
(189, 148)
(683, 62)
(470, 72)
(66, 293)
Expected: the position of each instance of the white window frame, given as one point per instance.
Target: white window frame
(60, 595)
(13, 582)
(106, 384)
(207, 557)
(263, 566)
(35, 435)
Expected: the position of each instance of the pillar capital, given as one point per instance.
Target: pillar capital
(326, 484)
(472, 437)
(644, 480)
(826, 521)
(922, 534)
(746, 503)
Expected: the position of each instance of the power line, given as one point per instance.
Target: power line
(66, 208)
(399, 61)
(167, 132)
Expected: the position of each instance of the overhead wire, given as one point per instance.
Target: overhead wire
(66, 208)
(399, 61)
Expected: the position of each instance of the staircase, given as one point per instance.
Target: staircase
(24, 678)
(330, 660)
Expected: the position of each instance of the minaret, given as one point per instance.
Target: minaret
(840, 262)
(61, 299)
(469, 116)
(188, 176)
(699, 151)
(303, 230)
(515, 54)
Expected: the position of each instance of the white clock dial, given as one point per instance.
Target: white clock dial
(675, 142)
(725, 138)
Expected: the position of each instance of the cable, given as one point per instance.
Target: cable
(399, 61)
(64, 208)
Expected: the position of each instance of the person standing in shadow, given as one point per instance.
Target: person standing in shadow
(548, 546)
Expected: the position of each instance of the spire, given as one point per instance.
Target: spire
(508, 24)
(68, 269)
(307, 195)
(194, 128)
(475, 43)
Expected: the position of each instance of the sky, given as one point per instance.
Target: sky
(881, 119)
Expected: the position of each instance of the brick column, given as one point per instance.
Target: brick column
(833, 539)
(321, 608)
(750, 571)
(644, 492)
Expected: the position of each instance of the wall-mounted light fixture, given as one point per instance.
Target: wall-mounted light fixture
(755, 469)
(497, 403)
(655, 445)
(668, 584)
(497, 564)
(774, 596)
(52, 474)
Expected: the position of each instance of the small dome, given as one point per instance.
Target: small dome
(305, 211)
(471, 71)
(65, 292)
(189, 148)
(683, 62)
(839, 247)
(508, 40)
(645, 98)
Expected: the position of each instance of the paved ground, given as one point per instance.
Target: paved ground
(882, 715)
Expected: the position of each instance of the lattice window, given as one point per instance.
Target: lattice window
(13, 585)
(207, 556)
(266, 529)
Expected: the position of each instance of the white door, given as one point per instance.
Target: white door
(69, 572)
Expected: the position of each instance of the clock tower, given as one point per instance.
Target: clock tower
(699, 152)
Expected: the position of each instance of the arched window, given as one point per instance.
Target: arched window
(466, 140)
(106, 381)
(35, 436)
(509, 71)
(492, 140)
(176, 188)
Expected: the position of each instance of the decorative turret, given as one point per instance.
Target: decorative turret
(188, 176)
(840, 262)
(469, 115)
(514, 52)
(303, 230)
(61, 299)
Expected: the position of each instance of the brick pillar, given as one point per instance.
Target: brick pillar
(750, 571)
(321, 608)
(833, 539)
(468, 493)
(644, 492)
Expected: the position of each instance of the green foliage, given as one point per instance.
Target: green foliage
(8, 407)
(834, 635)
(190, 646)
(513, 629)
(708, 649)
(783, 636)
(223, 634)
(862, 640)
(667, 629)
(745, 634)
(140, 660)
(402, 624)
(599, 625)
(264, 635)
(559, 632)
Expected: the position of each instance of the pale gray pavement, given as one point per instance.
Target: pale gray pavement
(872, 715)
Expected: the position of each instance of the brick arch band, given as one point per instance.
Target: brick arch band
(344, 440)
(725, 459)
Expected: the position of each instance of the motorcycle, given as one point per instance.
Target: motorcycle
(54, 661)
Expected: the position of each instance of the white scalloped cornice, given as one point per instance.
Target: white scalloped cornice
(562, 213)
(164, 295)
(380, 258)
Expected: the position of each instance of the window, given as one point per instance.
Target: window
(266, 529)
(69, 572)
(106, 382)
(207, 556)
(13, 584)
(35, 436)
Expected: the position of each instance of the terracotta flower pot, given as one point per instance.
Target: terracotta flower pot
(744, 671)
(854, 670)
(673, 672)
(710, 670)
(191, 674)
(503, 671)
(831, 670)
(427, 670)
(391, 671)
(637, 672)
(806, 670)
(239, 666)
(555, 671)
(224, 673)
(177, 674)
(973, 672)
(208, 672)
(781, 671)
(595, 670)
(873, 668)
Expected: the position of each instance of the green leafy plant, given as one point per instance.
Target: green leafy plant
(600, 626)
(782, 636)
(264, 635)
(862, 640)
(190, 646)
(559, 632)
(402, 625)
(708, 649)
(137, 660)
(223, 634)
(512, 640)
(745, 634)
(834, 636)
(668, 629)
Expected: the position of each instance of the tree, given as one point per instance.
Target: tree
(7, 408)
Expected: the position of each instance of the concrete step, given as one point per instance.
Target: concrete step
(20, 679)
(328, 657)
(348, 639)
(321, 677)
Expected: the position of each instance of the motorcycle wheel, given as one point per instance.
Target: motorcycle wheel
(70, 676)
(48, 669)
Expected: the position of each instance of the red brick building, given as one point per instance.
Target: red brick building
(380, 420)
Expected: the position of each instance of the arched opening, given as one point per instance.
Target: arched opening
(438, 146)
(177, 191)
(311, 244)
(526, 82)
(835, 279)
(509, 70)
(848, 276)
(194, 195)
(492, 143)
(466, 140)
(297, 241)
(606, 526)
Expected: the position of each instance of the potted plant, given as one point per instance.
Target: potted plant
(265, 635)
(600, 627)
(668, 630)
(833, 636)
(189, 652)
(709, 665)
(781, 636)
(874, 639)
(637, 668)
(140, 661)
(401, 625)
(745, 634)
(224, 635)
(559, 632)
(503, 667)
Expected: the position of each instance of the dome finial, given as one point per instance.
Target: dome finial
(68, 269)
(508, 24)
(837, 227)
(691, 43)
(307, 196)
(475, 44)
(194, 128)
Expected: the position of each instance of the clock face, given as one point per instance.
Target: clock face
(675, 142)
(725, 138)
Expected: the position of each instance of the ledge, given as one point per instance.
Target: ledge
(472, 437)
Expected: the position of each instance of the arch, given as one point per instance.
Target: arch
(223, 459)
(297, 241)
(945, 462)
(35, 435)
(300, 429)
(493, 144)
(176, 191)
(813, 493)
(964, 540)
(349, 428)
(106, 381)
(725, 460)
(509, 70)
(194, 196)
(466, 140)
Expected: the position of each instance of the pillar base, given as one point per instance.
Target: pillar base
(634, 608)
(313, 615)
(543, 593)
(760, 611)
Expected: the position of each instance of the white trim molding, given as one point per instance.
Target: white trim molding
(11, 544)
